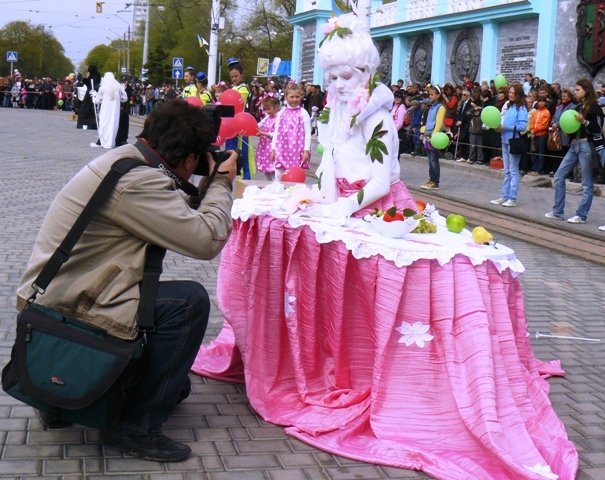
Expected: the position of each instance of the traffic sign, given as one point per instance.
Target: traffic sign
(177, 62)
(12, 56)
(177, 73)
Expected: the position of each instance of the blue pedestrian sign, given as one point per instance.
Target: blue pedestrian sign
(177, 73)
(12, 57)
(177, 62)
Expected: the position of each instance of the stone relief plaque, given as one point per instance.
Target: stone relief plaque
(517, 49)
(385, 49)
(465, 57)
(421, 58)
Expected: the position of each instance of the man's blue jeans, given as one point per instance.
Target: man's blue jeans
(579, 151)
(181, 316)
(510, 184)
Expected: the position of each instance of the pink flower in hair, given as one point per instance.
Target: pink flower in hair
(329, 27)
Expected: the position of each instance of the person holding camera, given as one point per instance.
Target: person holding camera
(99, 284)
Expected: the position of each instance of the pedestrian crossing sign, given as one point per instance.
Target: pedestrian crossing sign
(12, 56)
(177, 62)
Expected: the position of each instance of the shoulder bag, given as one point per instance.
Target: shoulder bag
(69, 368)
(518, 145)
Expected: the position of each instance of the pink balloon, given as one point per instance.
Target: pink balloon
(234, 98)
(245, 124)
(294, 174)
(195, 101)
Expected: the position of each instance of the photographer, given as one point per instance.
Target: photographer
(99, 284)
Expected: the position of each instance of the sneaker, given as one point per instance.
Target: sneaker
(602, 228)
(553, 216)
(94, 145)
(430, 185)
(576, 219)
(498, 201)
(152, 446)
(510, 203)
(461, 159)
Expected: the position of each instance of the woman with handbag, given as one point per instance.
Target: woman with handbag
(565, 104)
(514, 121)
(580, 151)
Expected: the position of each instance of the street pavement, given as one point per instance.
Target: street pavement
(41, 150)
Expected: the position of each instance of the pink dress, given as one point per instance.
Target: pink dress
(263, 149)
(290, 139)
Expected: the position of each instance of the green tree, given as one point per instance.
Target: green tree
(264, 32)
(40, 53)
(159, 67)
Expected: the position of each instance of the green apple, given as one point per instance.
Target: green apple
(455, 223)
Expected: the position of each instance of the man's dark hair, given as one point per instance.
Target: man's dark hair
(175, 129)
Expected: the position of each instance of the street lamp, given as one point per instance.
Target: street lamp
(145, 43)
(127, 40)
(117, 49)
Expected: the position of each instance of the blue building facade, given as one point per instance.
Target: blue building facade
(442, 41)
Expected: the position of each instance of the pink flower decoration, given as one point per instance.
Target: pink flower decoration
(329, 27)
(359, 101)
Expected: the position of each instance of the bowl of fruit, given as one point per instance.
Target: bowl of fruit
(393, 222)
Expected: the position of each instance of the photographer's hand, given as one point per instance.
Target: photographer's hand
(227, 167)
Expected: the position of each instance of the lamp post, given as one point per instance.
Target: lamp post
(117, 49)
(145, 42)
(127, 43)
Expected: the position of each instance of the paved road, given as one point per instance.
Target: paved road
(40, 151)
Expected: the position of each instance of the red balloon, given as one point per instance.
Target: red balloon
(294, 174)
(245, 124)
(195, 101)
(234, 98)
(226, 129)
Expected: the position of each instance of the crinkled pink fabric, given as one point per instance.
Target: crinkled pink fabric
(313, 331)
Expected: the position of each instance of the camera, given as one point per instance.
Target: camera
(216, 112)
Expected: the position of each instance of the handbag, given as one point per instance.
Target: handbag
(554, 140)
(518, 145)
(69, 368)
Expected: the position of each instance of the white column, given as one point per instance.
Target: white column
(213, 47)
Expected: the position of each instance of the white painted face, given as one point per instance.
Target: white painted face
(346, 80)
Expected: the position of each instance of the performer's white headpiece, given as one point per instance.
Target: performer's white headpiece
(348, 42)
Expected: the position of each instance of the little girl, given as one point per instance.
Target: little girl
(291, 145)
(266, 129)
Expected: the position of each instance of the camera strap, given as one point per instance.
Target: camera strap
(155, 160)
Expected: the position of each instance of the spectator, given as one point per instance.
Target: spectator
(583, 142)
(514, 121)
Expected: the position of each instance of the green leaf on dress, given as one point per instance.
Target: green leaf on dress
(360, 196)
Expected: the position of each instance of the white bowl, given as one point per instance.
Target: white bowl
(395, 229)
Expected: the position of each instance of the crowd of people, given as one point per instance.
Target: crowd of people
(419, 110)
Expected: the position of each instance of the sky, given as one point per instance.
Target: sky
(74, 23)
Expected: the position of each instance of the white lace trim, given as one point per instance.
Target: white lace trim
(363, 241)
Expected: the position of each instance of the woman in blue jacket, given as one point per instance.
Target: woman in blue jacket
(514, 121)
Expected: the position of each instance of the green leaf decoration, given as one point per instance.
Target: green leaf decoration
(374, 81)
(375, 147)
(339, 31)
(324, 115)
(360, 196)
(353, 120)
(408, 212)
(392, 211)
(319, 180)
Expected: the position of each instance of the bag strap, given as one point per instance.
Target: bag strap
(154, 257)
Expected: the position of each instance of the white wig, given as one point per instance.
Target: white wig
(355, 49)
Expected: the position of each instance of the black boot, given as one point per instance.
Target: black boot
(152, 446)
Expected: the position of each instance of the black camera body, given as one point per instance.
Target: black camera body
(216, 112)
